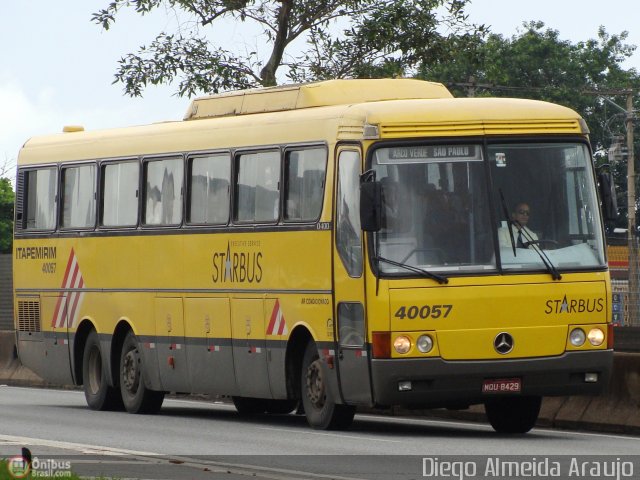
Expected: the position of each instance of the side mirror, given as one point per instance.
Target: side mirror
(370, 206)
(608, 196)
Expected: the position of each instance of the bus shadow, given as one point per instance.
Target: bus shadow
(391, 427)
(362, 424)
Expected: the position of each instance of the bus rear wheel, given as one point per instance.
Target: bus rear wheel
(513, 414)
(137, 398)
(322, 413)
(98, 393)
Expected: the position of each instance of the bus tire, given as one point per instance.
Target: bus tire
(513, 414)
(98, 393)
(250, 406)
(137, 398)
(322, 413)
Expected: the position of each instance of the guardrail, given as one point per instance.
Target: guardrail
(626, 339)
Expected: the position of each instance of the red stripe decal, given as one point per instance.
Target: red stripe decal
(274, 316)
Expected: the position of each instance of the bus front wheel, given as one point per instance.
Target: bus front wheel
(137, 398)
(322, 413)
(98, 393)
(513, 414)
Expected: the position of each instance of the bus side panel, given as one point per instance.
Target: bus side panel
(276, 333)
(249, 347)
(170, 345)
(56, 365)
(209, 353)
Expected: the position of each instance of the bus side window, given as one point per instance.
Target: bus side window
(351, 326)
(209, 181)
(348, 231)
(304, 176)
(41, 199)
(120, 194)
(258, 187)
(78, 197)
(163, 192)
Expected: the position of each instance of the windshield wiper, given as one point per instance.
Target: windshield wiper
(505, 212)
(531, 242)
(434, 276)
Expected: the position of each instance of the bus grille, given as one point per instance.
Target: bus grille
(28, 315)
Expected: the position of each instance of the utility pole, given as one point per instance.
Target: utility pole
(632, 238)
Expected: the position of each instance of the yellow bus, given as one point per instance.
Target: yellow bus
(331, 245)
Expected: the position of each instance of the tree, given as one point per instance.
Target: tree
(378, 37)
(538, 64)
(7, 199)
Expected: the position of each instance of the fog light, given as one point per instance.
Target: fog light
(596, 337)
(577, 337)
(404, 386)
(425, 343)
(402, 344)
(591, 378)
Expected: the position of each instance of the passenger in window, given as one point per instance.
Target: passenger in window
(523, 236)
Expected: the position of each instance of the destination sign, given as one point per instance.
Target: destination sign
(434, 153)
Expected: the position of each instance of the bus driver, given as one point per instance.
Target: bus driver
(523, 236)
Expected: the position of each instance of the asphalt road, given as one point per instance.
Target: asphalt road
(195, 439)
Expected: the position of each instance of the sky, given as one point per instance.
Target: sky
(56, 66)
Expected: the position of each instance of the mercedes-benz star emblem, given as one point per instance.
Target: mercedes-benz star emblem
(503, 343)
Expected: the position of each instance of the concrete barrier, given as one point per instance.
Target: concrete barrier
(7, 348)
(12, 372)
(617, 410)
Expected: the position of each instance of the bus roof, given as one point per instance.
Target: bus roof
(309, 95)
(322, 112)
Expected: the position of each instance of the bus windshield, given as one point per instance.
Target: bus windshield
(439, 214)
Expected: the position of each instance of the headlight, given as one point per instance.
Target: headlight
(402, 344)
(424, 343)
(596, 337)
(577, 337)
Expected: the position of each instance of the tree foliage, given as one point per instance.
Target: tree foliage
(7, 199)
(536, 63)
(339, 38)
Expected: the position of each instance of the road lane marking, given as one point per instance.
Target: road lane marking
(328, 434)
(80, 447)
(254, 471)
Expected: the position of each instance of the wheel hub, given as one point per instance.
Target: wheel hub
(130, 371)
(315, 385)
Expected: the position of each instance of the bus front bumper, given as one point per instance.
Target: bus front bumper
(436, 383)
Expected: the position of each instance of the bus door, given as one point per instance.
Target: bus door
(170, 344)
(249, 347)
(350, 328)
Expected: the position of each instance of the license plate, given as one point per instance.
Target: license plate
(502, 385)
